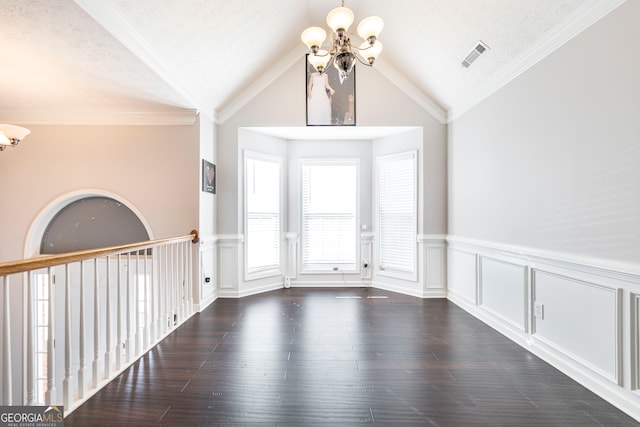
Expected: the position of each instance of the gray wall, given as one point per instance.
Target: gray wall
(551, 161)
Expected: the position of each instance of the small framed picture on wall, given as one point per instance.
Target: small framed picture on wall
(208, 177)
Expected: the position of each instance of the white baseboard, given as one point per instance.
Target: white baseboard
(233, 293)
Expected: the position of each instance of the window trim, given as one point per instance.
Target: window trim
(341, 268)
(390, 272)
(269, 271)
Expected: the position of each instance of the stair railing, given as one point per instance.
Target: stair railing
(72, 322)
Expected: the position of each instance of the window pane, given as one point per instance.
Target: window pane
(329, 197)
(263, 213)
(397, 179)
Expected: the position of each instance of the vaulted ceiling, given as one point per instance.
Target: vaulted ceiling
(129, 61)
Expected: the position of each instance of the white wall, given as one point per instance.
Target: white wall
(552, 158)
(543, 209)
(207, 257)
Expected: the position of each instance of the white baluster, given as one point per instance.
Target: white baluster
(136, 297)
(107, 353)
(81, 380)
(180, 282)
(118, 349)
(7, 381)
(185, 281)
(167, 290)
(127, 344)
(31, 351)
(66, 383)
(161, 295)
(152, 298)
(190, 276)
(145, 305)
(172, 286)
(169, 275)
(96, 326)
(50, 395)
(177, 285)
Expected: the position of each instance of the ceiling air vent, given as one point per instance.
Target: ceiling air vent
(474, 54)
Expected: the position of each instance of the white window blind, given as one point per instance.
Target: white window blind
(329, 206)
(263, 177)
(396, 212)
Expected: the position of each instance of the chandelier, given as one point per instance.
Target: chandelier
(341, 52)
(11, 135)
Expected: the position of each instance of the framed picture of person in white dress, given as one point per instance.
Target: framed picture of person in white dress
(331, 101)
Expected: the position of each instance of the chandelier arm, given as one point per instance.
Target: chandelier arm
(329, 53)
(362, 62)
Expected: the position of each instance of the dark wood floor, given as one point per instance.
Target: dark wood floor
(341, 357)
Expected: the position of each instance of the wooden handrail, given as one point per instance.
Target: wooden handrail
(24, 265)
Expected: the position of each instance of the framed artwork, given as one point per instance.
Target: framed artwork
(331, 101)
(208, 177)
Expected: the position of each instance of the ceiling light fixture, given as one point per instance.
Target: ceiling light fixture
(11, 135)
(342, 53)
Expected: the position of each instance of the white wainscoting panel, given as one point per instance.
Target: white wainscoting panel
(580, 314)
(291, 264)
(461, 274)
(229, 263)
(207, 291)
(503, 290)
(366, 255)
(434, 265)
(580, 319)
(635, 342)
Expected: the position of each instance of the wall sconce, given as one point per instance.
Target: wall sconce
(11, 135)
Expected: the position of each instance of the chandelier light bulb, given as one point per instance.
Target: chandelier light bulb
(340, 19)
(319, 60)
(11, 135)
(370, 52)
(313, 37)
(370, 28)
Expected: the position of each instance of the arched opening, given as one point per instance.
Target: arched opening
(37, 230)
(92, 222)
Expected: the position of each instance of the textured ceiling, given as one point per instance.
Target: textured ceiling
(82, 60)
(57, 58)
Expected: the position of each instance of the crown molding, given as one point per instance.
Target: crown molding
(112, 21)
(413, 92)
(585, 16)
(261, 83)
(183, 117)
